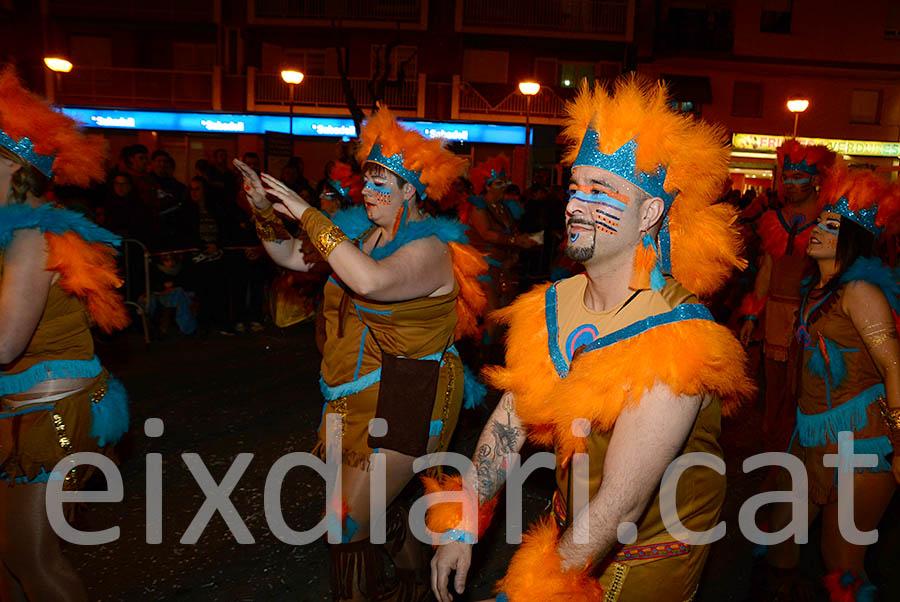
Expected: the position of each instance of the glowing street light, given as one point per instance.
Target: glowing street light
(529, 89)
(292, 78)
(797, 106)
(57, 64)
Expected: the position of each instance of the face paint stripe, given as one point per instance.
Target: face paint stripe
(610, 216)
(382, 194)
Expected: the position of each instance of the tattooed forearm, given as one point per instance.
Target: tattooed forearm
(501, 437)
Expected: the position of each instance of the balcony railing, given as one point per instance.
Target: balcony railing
(327, 92)
(546, 105)
(373, 12)
(599, 19)
(157, 10)
(113, 86)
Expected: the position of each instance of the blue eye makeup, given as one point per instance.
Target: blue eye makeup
(797, 181)
(382, 193)
(828, 228)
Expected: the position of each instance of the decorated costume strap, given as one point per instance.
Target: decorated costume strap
(269, 226)
(325, 235)
(752, 307)
(447, 518)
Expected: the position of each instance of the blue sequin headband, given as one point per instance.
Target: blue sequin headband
(336, 184)
(394, 163)
(24, 148)
(623, 164)
(863, 217)
(495, 175)
(801, 166)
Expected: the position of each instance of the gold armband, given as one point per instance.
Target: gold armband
(322, 231)
(269, 226)
(877, 334)
(891, 418)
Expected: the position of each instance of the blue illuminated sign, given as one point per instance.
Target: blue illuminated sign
(302, 125)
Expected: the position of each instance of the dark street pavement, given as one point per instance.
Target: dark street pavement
(258, 394)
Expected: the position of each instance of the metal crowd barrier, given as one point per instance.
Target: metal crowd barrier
(130, 246)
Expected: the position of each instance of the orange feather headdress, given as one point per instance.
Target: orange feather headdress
(793, 155)
(424, 163)
(36, 133)
(667, 154)
(346, 182)
(863, 197)
(486, 172)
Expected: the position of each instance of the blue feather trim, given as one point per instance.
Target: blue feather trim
(867, 593)
(478, 202)
(330, 393)
(515, 209)
(10, 384)
(817, 364)
(109, 416)
(50, 218)
(819, 429)
(879, 446)
(41, 477)
(871, 270)
(354, 221)
(473, 391)
(435, 428)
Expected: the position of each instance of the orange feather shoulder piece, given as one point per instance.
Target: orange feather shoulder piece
(88, 271)
(468, 264)
(691, 357)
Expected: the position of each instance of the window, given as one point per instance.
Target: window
(571, 74)
(545, 71)
(486, 66)
(747, 99)
(401, 64)
(193, 57)
(892, 27)
(93, 51)
(865, 106)
(308, 61)
(776, 16)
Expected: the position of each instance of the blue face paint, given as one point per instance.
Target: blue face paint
(824, 227)
(797, 181)
(382, 193)
(574, 237)
(598, 198)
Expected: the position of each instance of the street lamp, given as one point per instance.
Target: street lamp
(53, 82)
(529, 89)
(57, 64)
(292, 78)
(797, 106)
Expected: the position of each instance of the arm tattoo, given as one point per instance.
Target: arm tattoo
(490, 458)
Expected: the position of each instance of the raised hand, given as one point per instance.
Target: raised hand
(292, 204)
(254, 189)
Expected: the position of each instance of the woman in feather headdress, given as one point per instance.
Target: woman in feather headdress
(404, 288)
(847, 346)
(57, 277)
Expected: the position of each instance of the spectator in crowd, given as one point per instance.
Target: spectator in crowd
(208, 275)
(126, 213)
(222, 181)
(171, 206)
(170, 301)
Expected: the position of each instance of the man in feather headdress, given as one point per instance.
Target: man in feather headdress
(785, 234)
(618, 370)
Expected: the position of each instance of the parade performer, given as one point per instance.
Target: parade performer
(621, 363)
(846, 339)
(57, 277)
(784, 232)
(493, 231)
(404, 286)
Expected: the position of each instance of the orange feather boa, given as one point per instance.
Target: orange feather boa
(775, 237)
(471, 302)
(692, 357)
(449, 515)
(88, 271)
(535, 572)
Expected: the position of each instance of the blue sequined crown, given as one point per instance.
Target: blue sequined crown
(394, 163)
(623, 164)
(801, 166)
(863, 217)
(496, 175)
(24, 148)
(343, 191)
